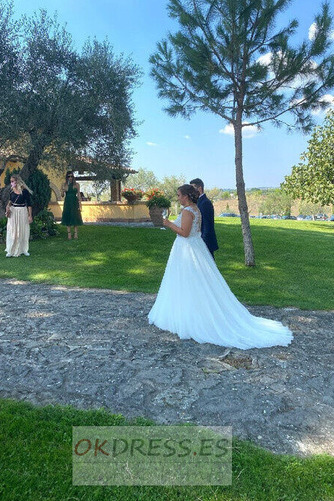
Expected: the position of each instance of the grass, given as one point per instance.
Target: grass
(294, 261)
(36, 464)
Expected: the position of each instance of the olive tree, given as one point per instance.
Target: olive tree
(57, 102)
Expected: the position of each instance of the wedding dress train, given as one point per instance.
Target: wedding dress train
(194, 301)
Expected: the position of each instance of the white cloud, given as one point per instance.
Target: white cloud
(228, 129)
(265, 59)
(247, 132)
(186, 136)
(312, 31)
(328, 98)
(149, 143)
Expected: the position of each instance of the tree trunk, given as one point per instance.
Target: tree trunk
(242, 201)
(33, 159)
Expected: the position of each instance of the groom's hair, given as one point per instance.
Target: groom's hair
(198, 182)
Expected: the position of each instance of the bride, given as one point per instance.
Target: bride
(194, 301)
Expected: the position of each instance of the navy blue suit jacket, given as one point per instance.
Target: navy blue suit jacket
(208, 225)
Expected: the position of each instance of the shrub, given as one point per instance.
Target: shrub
(43, 225)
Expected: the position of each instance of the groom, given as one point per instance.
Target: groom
(207, 212)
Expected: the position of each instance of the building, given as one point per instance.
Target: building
(114, 210)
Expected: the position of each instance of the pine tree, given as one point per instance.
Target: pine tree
(227, 58)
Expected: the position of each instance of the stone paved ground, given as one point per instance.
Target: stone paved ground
(94, 348)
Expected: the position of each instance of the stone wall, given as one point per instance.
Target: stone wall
(106, 211)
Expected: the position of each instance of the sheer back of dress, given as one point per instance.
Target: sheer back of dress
(196, 226)
(197, 221)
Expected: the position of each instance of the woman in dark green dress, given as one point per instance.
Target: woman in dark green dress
(72, 205)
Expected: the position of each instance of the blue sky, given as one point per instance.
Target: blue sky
(165, 145)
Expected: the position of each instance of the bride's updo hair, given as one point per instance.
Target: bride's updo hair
(188, 189)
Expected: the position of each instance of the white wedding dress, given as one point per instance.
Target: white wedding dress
(194, 301)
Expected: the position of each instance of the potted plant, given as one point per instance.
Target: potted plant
(131, 195)
(157, 202)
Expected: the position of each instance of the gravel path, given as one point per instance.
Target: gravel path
(106, 355)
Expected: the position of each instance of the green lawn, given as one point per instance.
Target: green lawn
(295, 265)
(36, 464)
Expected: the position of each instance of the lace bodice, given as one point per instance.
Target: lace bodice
(196, 226)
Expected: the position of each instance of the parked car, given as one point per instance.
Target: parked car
(321, 217)
(308, 218)
(301, 217)
(289, 217)
(265, 216)
(228, 214)
(331, 218)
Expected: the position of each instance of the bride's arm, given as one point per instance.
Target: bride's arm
(186, 224)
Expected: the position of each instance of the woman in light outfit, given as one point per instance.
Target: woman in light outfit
(194, 301)
(19, 214)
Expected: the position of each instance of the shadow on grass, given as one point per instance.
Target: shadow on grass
(294, 261)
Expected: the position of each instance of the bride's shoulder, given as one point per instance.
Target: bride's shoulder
(193, 210)
(188, 210)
